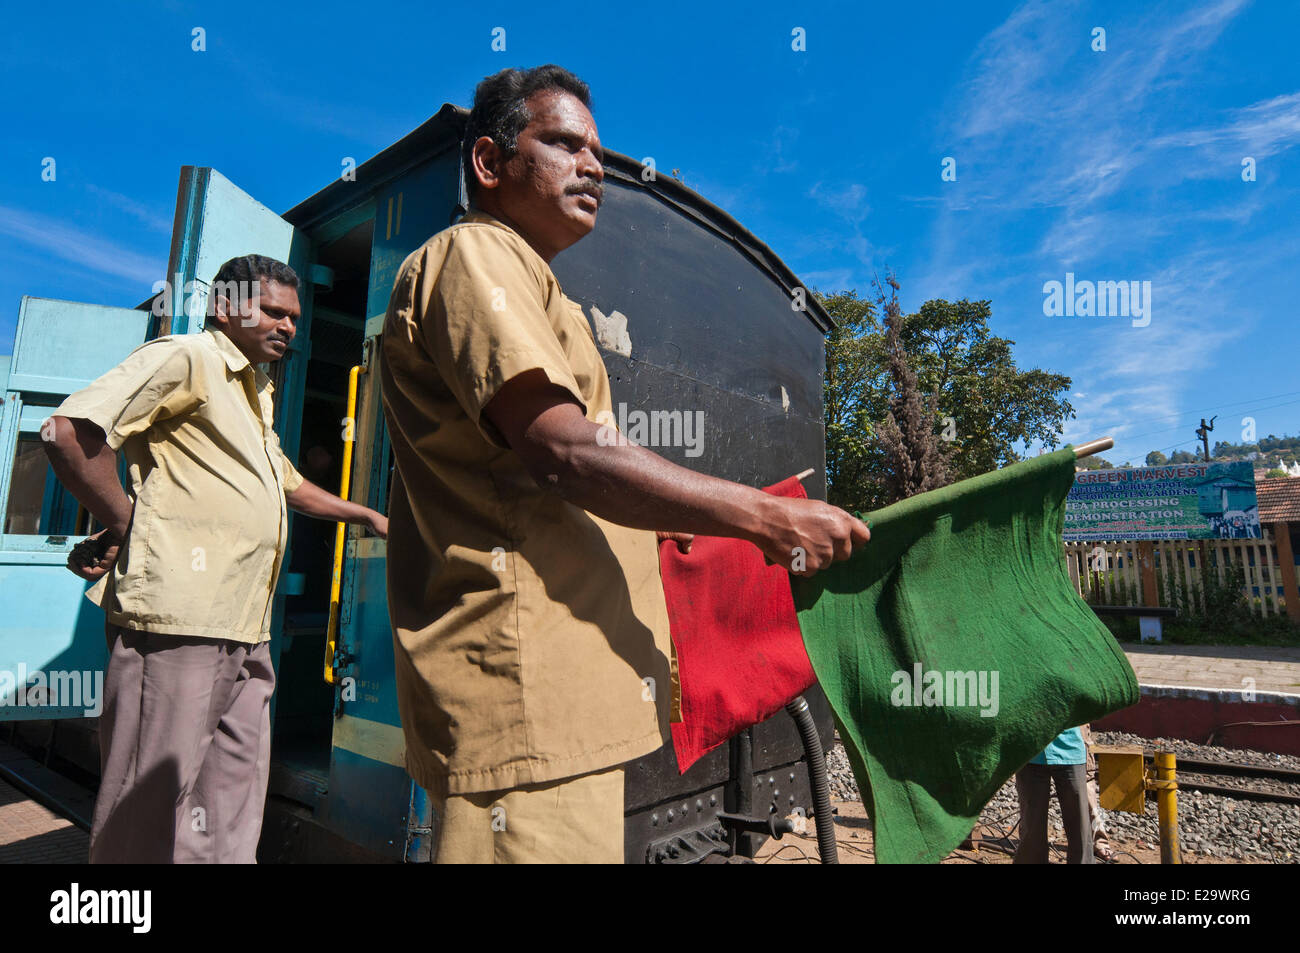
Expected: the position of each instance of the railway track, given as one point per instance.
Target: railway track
(1232, 779)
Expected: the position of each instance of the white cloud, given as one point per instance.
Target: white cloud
(847, 201)
(1076, 156)
(137, 210)
(1052, 123)
(1260, 130)
(80, 248)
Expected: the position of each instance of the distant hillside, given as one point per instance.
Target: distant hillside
(1266, 454)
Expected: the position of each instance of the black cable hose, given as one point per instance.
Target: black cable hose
(821, 788)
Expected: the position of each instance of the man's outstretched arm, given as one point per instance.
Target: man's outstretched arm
(312, 500)
(632, 486)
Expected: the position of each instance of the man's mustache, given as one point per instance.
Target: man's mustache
(595, 189)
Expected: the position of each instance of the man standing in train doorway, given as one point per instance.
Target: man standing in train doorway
(530, 630)
(187, 568)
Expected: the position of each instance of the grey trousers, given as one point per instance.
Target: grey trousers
(185, 750)
(1033, 784)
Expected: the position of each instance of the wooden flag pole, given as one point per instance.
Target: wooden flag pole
(1093, 446)
(1081, 451)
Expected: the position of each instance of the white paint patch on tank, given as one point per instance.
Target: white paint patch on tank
(785, 400)
(611, 332)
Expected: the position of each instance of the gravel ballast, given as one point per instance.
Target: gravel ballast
(1209, 825)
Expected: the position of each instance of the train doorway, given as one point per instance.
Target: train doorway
(305, 701)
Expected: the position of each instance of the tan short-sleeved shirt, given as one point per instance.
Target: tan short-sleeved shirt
(209, 479)
(531, 637)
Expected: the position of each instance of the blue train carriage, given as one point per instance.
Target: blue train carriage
(692, 312)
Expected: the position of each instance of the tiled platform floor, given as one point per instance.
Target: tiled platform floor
(32, 834)
(1273, 668)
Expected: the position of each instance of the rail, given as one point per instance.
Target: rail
(340, 530)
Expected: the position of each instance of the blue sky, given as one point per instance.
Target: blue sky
(1115, 165)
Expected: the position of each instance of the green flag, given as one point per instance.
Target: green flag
(953, 648)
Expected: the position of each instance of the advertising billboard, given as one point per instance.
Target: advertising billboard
(1177, 501)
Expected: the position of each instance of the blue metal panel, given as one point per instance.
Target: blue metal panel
(408, 212)
(49, 627)
(365, 632)
(32, 416)
(420, 840)
(367, 756)
(61, 346)
(10, 417)
(341, 224)
(368, 803)
(48, 624)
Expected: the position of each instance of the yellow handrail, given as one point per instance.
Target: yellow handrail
(340, 531)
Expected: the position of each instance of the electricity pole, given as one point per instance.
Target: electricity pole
(1203, 431)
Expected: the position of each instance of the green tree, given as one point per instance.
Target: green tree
(1274, 473)
(856, 400)
(1096, 462)
(1183, 456)
(1233, 450)
(1156, 459)
(993, 404)
(981, 398)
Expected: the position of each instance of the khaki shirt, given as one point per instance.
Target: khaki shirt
(531, 637)
(208, 531)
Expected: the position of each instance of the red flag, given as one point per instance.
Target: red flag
(740, 657)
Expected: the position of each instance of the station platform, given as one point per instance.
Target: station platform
(32, 834)
(1273, 668)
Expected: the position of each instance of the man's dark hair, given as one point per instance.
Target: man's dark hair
(253, 267)
(235, 279)
(501, 111)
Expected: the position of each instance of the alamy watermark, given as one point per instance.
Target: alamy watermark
(198, 298)
(1102, 299)
(948, 689)
(54, 689)
(75, 905)
(655, 428)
